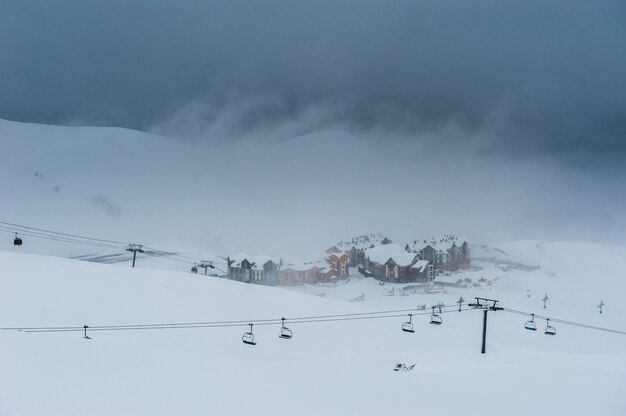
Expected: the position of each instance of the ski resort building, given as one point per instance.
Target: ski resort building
(295, 275)
(392, 263)
(299, 273)
(448, 253)
(339, 262)
(356, 246)
(254, 269)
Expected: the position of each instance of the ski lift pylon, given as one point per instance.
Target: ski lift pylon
(248, 337)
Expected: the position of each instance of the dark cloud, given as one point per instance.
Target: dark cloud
(523, 76)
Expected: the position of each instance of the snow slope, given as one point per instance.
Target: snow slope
(287, 199)
(333, 368)
(140, 188)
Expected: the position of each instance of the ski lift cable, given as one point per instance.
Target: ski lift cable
(246, 321)
(34, 232)
(173, 256)
(237, 323)
(42, 233)
(60, 239)
(564, 322)
(170, 254)
(193, 326)
(60, 233)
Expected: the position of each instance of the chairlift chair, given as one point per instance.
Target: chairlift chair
(550, 330)
(17, 241)
(408, 326)
(285, 333)
(434, 318)
(85, 329)
(531, 325)
(248, 337)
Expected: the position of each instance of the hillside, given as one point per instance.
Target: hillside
(203, 203)
(140, 188)
(336, 367)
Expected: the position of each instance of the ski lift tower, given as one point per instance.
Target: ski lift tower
(134, 248)
(205, 264)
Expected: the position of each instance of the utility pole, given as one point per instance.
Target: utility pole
(486, 308)
(205, 264)
(134, 248)
(545, 300)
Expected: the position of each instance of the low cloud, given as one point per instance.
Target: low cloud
(532, 77)
(106, 206)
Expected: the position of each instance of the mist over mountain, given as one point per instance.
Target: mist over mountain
(291, 198)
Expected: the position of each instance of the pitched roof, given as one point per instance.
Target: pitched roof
(440, 245)
(420, 265)
(381, 254)
(361, 242)
(258, 260)
(306, 265)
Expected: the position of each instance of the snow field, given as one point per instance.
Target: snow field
(327, 368)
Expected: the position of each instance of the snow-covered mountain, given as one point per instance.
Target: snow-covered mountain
(287, 199)
(135, 187)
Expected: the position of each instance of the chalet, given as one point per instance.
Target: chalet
(334, 250)
(356, 246)
(254, 269)
(293, 274)
(298, 275)
(328, 274)
(339, 262)
(447, 253)
(391, 263)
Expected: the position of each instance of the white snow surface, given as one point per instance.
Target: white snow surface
(331, 368)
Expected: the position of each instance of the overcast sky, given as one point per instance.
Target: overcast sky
(519, 76)
(496, 119)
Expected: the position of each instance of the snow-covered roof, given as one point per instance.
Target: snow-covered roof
(361, 242)
(440, 245)
(420, 265)
(381, 254)
(305, 265)
(334, 249)
(258, 260)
